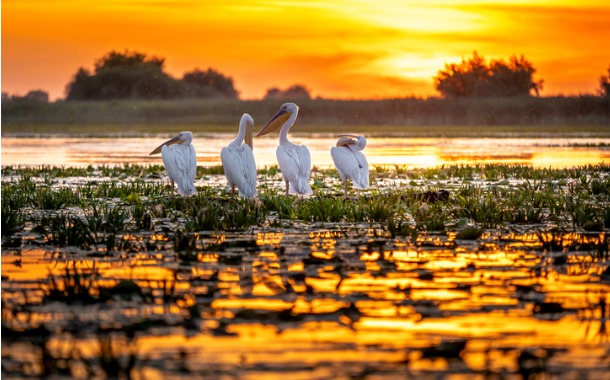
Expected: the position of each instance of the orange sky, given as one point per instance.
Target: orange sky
(337, 49)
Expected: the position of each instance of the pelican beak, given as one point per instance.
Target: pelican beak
(276, 121)
(345, 140)
(248, 138)
(175, 140)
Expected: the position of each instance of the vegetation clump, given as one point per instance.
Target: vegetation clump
(133, 75)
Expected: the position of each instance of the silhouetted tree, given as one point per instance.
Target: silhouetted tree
(473, 77)
(296, 91)
(604, 84)
(210, 83)
(133, 75)
(121, 76)
(37, 96)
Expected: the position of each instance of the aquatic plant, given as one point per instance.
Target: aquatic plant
(74, 285)
(49, 199)
(141, 216)
(14, 198)
(320, 209)
(430, 217)
(12, 220)
(67, 230)
(481, 206)
(236, 214)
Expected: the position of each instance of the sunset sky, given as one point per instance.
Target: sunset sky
(337, 49)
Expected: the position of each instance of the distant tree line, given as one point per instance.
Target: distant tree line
(295, 92)
(133, 75)
(474, 77)
(38, 96)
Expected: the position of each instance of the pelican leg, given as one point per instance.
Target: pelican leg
(232, 191)
(345, 186)
(172, 185)
(287, 188)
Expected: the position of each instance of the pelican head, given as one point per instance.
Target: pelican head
(353, 142)
(286, 110)
(182, 138)
(248, 123)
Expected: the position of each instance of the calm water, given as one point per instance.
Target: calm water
(303, 300)
(414, 152)
(319, 303)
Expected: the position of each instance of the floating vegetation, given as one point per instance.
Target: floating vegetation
(467, 271)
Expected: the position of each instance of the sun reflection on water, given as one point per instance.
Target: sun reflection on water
(412, 152)
(328, 300)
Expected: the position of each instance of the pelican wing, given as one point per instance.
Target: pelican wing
(351, 165)
(295, 164)
(361, 181)
(240, 168)
(181, 164)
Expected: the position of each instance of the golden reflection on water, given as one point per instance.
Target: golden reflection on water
(411, 152)
(313, 302)
(269, 238)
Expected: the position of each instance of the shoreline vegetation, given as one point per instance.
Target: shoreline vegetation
(465, 117)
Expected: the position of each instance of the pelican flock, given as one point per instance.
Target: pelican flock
(239, 165)
(350, 162)
(238, 160)
(294, 160)
(180, 162)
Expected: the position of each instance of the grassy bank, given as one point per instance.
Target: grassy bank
(411, 131)
(315, 115)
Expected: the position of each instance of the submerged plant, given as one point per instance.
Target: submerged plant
(74, 285)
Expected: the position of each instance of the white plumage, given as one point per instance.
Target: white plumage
(180, 161)
(238, 160)
(294, 160)
(351, 163)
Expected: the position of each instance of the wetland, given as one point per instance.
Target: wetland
(478, 270)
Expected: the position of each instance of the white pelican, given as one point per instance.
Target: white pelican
(294, 160)
(238, 160)
(180, 162)
(350, 161)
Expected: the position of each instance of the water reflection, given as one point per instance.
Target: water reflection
(329, 302)
(414, 152)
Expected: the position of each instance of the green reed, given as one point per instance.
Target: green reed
(94, 213)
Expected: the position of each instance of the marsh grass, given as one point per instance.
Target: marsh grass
(12, 220)
(125, 171)
(488, 196)
(122, 190)
(14, 198)
(236, 214)
(49, 199)
(67, 230)
(479, 205)
(433, 217)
